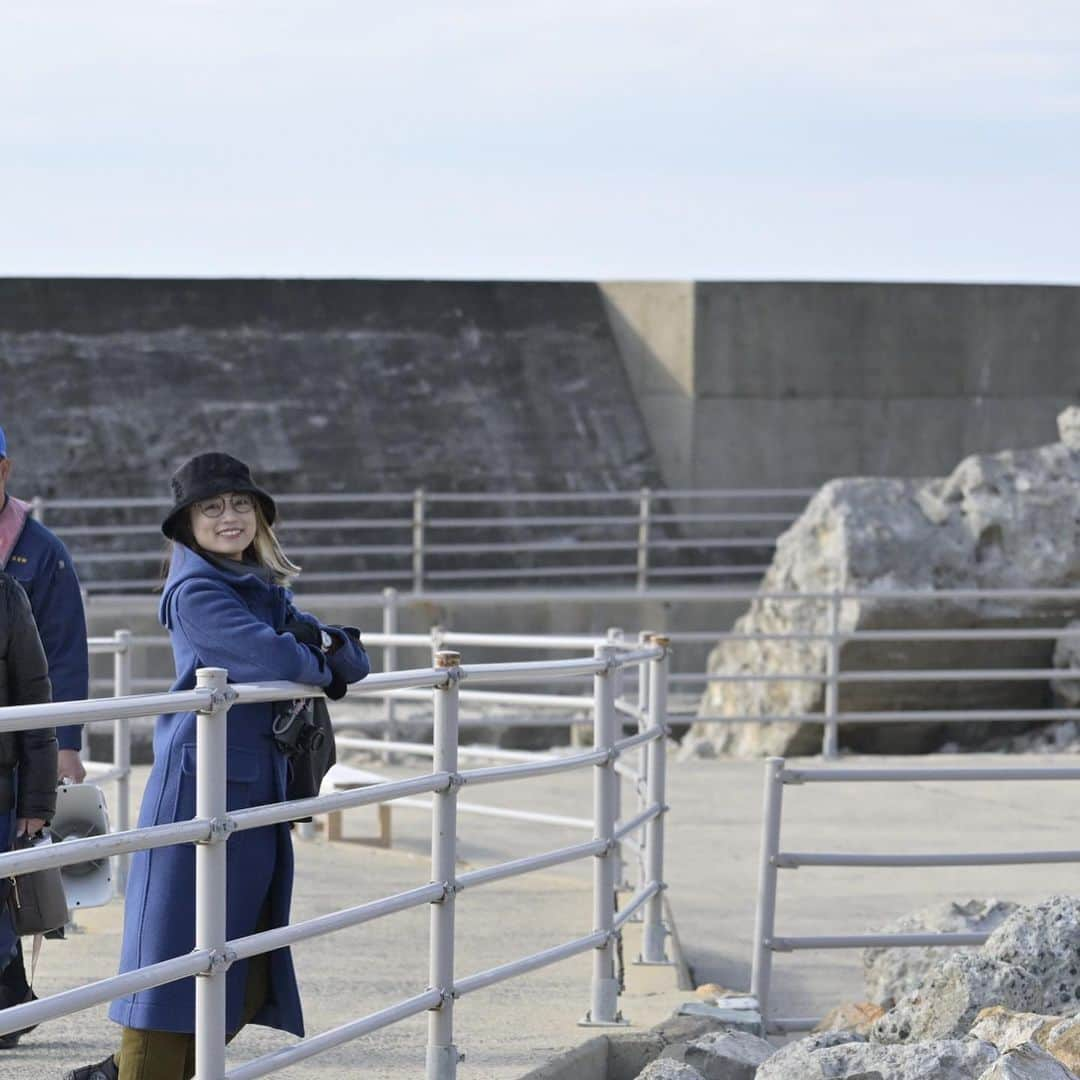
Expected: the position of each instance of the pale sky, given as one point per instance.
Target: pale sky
(858, 139)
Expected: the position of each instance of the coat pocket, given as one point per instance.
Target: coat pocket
(241, 772)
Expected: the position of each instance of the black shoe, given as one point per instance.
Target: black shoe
(103, 1070)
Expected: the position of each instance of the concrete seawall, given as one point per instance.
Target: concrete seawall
(322, 385)
(385, 385)
(774, 384)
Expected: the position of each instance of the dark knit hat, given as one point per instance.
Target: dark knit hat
(207, 475)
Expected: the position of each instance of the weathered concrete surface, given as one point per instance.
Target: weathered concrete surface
(749, 384)
(324, 386)
(320, 385)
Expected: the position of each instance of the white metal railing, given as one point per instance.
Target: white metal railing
(774, 859)
(1059, 605)
(427, 540)
(213, 824)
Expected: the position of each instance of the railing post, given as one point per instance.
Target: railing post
(644, 669)
(390, 626)
(418, 540)
(605, 986)
(122, 749)
(210, 875)
(644, 524)
(765, 913)
(830, 744)
(654, 932)
(442, 1054)
(37, 508)
(615, 637)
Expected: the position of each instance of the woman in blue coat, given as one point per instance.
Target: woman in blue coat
(225, 604)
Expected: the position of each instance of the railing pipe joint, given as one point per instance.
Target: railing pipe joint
(220, 830)
(220, 961)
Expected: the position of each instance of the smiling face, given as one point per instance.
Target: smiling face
(225, 524)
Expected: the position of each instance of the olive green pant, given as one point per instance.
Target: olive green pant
(170, 1055)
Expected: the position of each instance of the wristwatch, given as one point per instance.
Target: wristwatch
(326, 641)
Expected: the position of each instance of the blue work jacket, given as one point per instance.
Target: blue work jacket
(219, 618)
(41, 564)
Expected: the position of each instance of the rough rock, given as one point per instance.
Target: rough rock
(1069, 428)
(951, 1059)
(1044, 939)
(857, 1016)
(1027, 1062)
(1067, 657)
(668, 1069)
(723, 1055)
(889, 974)
(998, 521)
(1063, 1041)
(1007, 1029)
(796, 1061)
(952, 995)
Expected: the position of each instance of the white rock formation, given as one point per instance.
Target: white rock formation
(1067, 657)
(668, 1069)
(952, 995)
(1027, 1062)
(889, 974)
(724, 1055)
(1006, 520)
(953, 1059)
(1007, 1029)
(1044, 939)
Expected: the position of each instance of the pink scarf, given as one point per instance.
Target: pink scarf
(12, 522)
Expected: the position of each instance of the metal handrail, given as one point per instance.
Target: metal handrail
(213, 697)
(642, 520)
(773, 859)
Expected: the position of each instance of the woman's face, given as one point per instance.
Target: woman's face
(225, 524)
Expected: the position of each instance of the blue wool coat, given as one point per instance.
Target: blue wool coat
(217, 618)
(42, 566)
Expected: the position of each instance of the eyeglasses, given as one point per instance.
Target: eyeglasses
(214, 508)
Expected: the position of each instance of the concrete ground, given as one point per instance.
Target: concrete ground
(712, 869)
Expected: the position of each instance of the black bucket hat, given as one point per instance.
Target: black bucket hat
(207, 475)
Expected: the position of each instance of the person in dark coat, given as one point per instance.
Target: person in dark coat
(27, 759)
(225, 604)
(39, 562)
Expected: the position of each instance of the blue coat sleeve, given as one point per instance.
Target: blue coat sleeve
(58, 611)
(349, 660)
(223, 632)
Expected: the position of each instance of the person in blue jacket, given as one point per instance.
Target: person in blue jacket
(38, 560)
(40, 563)
(226, 604)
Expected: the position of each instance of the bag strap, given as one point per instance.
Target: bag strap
(35, 955)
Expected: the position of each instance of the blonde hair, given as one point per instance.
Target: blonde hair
(268, 553)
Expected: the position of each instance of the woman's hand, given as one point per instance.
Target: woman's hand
(29, 826)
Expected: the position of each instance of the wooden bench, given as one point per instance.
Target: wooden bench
(346, 778)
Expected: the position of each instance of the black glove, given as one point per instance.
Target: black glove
(338, 687)
(304, 632)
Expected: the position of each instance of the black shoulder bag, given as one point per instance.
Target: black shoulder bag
(305, 735)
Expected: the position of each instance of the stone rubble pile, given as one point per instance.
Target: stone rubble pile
(1005, 520)
(1009, 1010)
